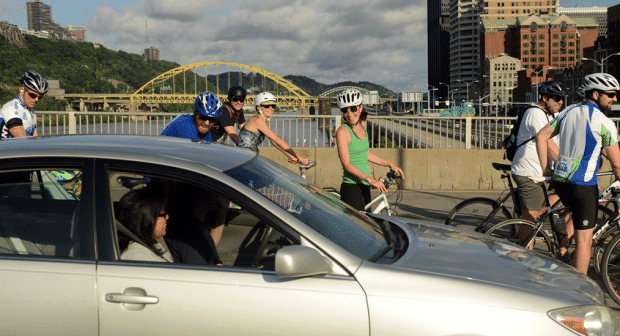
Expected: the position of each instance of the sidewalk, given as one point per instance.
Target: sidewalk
(435, 205)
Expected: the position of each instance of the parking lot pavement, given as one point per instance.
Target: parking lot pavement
(435, 205)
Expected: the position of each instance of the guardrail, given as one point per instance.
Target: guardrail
(305, 130)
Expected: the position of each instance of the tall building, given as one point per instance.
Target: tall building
(500, 78)
(40, 18)
(77, 32)
(151, 54)
(464, 47)
(504, 9)
(438, 16)
(12, 34)
(597, 13)
(613, 41)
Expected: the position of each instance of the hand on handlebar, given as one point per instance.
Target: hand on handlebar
(377, 184)
(399, 172)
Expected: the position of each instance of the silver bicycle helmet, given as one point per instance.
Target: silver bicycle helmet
(348, 98)
(601, 81)
(208, 104)
(33, 81)
(581, 91)
(551, 88)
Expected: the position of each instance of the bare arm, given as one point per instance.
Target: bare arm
(542, 147)
(232, 133)
(19, 131)
(613, 155)
(220, 218)
(553, 150)
(343, 138)
(279, 143)
(385, 163)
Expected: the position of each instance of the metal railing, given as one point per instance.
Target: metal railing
(306, 130)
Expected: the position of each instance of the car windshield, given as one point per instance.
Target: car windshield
(352, 230)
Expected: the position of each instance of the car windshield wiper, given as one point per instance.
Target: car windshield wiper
(389, 239)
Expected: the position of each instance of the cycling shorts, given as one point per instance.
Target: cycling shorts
(582, 202)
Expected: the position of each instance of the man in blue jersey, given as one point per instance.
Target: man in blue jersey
(584, 133)
(207, 108)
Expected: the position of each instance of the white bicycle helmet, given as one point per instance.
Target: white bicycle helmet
(208, 104)
(348, 98)
(264, 97)
(601, 81)
(33, 81)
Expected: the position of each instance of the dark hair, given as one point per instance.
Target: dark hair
(138, 211)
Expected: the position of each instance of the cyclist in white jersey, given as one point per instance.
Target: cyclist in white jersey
(17, 117)
(584, 132)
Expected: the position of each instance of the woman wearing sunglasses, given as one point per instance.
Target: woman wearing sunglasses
(207, 109)
(353, 151)
(256, 129)
(17, 117)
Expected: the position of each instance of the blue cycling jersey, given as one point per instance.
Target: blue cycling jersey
(183, 127)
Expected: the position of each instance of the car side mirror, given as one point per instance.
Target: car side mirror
(300, 261)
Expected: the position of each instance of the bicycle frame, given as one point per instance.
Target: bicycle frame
(381, 203)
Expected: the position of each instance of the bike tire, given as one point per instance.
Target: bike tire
(610, 269)
(598, 247)
(507, 230)
(471, 214)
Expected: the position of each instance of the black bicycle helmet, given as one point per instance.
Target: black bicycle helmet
(236, 92)
(33, 81)
(551, 88)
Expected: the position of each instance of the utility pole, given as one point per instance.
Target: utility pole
(146, 26)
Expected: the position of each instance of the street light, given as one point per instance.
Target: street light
(452, 95)
(602, 63)
(448, 98)
(537, 72)
(430, 95)
(467, 84)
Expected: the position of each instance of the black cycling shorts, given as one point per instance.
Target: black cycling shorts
(582, 202)
(355, 195)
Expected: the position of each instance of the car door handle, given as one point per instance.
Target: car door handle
(122, 298)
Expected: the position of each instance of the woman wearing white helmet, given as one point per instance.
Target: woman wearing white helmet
(352, 143)
(256, 129)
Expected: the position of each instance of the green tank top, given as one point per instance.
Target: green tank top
(358, 154)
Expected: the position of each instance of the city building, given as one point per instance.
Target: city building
(151, 54)
(40, 19)
(438, 17)
(599, 14)
(77, 32)
(572, 78)
(612, 64)
(11, 33)
(464, 47)
(504, 9)
(500, 78)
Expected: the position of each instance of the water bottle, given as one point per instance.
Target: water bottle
(560, 227)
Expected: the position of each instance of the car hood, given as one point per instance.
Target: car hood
(472, 257)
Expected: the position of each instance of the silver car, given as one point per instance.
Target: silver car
(292, 258)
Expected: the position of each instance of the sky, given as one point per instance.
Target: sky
(379, 41)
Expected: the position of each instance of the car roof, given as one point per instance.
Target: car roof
(127, 147)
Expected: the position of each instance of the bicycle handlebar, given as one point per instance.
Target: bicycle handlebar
(306, 167)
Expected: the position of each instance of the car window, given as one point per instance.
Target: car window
(40, 212)
(204, 226)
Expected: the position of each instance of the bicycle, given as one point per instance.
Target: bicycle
(550, 244)
(610, 269)
(379, 204)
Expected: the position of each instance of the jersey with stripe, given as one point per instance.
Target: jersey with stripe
(15, 109)
(583, 132)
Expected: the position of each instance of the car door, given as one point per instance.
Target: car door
(242, 296)
(47, 267)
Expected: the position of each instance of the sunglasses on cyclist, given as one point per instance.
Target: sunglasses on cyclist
(273, 106)
(33, 95)
(557, 98)
(352, 108)
(611, 95)
(209, 119)
(238, 100)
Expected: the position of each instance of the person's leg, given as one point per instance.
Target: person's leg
(583, 250)
(583, 206)
(532, 199)
(351, 194)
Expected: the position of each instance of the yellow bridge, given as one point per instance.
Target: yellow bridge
(181, 86)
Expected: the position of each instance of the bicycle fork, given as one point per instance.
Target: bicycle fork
(381, 203)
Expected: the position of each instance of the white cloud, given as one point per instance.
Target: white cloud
(380, 41)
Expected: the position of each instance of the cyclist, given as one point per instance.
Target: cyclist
(17, 117)
(256, 129)
(353, 151)
(207, 108)
(526, 164)
(232, 114)
(583, 133)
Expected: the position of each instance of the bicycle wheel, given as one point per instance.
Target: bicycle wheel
(610, 269)
(598, 246)
(508, 229)
(471, 214)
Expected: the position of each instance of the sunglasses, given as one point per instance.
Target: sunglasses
(209, 119)
(33, 95)
(273, 106)
(557, 98)
(352, 108)
(163, 214)
(611, 95)
(238, 100)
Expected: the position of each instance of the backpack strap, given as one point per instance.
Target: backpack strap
(232, 113)
(534, 137)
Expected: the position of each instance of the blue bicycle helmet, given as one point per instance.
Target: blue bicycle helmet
(208, 104)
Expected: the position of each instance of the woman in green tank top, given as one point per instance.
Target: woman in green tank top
(353, 151)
